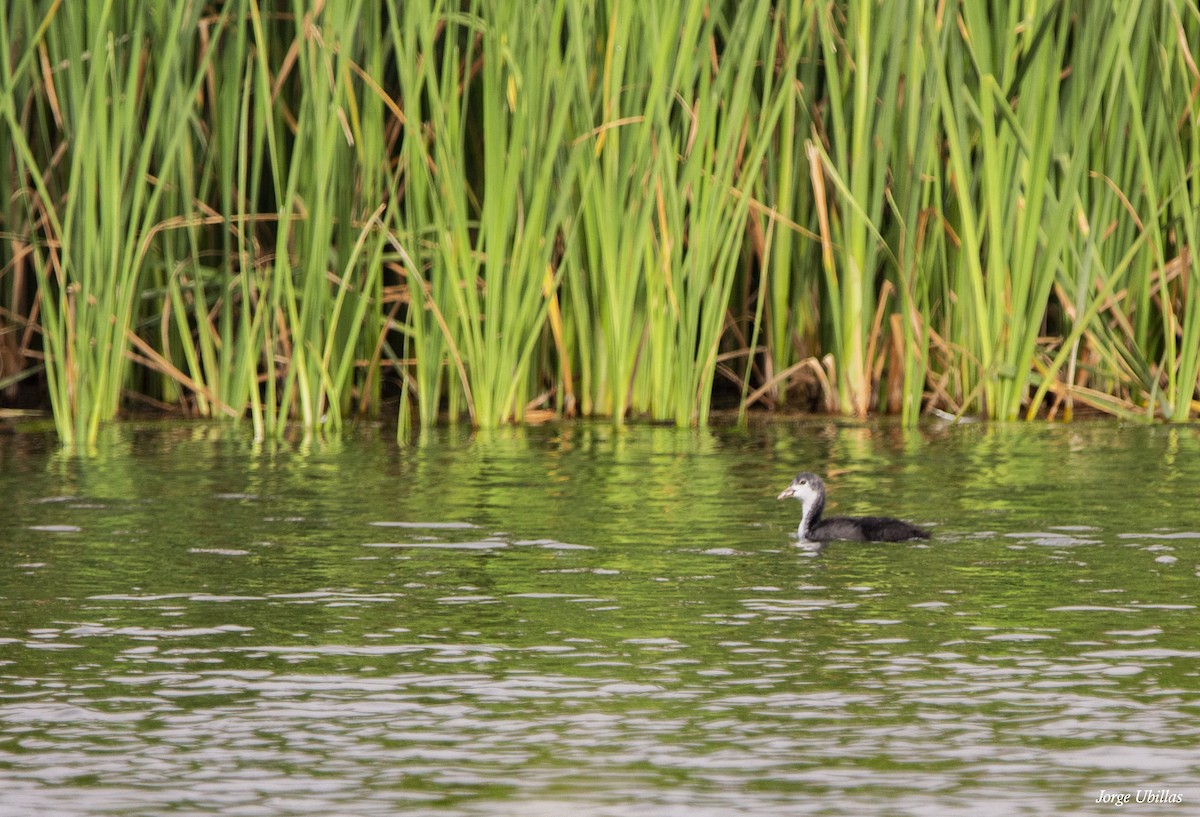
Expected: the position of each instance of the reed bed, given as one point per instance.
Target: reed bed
(500, 211)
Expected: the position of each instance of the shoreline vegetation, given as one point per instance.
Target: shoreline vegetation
(493, 210)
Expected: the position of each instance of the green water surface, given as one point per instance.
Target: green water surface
(584, 621)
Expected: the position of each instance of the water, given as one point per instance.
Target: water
(581, 621)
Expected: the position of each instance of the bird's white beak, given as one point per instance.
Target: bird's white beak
(787, 492)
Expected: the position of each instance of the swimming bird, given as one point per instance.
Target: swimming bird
(810, 490)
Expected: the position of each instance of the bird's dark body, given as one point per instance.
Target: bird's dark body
(864, 529)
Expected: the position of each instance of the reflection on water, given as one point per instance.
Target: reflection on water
(600, 622)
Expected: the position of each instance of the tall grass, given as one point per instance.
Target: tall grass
(1014, 235)
(676, 146)
(502, 211)
(865, 56)
(494, 155)
(92, 194)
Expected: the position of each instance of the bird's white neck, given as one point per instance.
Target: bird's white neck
(809, 505)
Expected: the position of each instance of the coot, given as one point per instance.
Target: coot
(810, 490)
